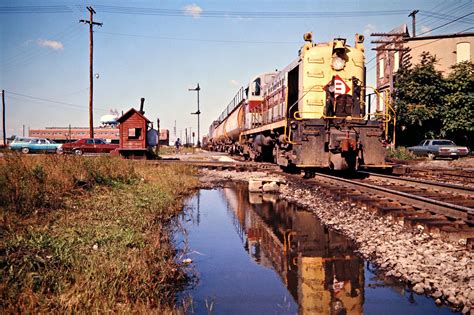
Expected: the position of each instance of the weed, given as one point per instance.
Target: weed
(106, 248)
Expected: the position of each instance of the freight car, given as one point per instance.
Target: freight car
(309, 115)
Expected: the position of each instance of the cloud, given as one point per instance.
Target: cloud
(425, 29)
(54, 45)
(234, 82)
(193, 10)
(369, 29)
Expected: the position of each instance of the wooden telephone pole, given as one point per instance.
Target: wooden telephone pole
(3, 119)
(413, 21)
(91, 50)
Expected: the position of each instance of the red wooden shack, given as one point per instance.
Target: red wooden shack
(133, 134)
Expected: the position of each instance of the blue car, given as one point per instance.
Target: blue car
(27, 145)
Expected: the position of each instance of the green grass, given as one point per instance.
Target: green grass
(106, 245)
(400, 153)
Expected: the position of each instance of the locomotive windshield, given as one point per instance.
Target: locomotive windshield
(256, 87)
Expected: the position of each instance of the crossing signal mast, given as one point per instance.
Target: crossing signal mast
(91, 76)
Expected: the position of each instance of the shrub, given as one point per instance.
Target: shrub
(400, 153)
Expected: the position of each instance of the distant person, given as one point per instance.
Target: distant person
(177, 144)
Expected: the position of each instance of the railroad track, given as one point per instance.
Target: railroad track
(447, 209)
(459, 176)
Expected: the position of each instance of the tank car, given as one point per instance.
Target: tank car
(309, 115)
(224, 133)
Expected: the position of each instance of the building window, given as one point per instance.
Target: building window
(381, 68)
(463, 52)
(396, 61)
(381, 103)
(134, 133)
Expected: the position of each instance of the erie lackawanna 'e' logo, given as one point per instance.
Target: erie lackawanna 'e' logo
(340, 87)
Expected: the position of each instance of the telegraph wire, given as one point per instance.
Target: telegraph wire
(182, 13)
(31, 54)
(444, 13)
(48, 100)
(447, 23)
(198, 39)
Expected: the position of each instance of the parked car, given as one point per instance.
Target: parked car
(27, 145)
(88, 145)
(439, 148)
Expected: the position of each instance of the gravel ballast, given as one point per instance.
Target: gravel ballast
(429, 263)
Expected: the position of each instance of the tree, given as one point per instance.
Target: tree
(458, 110)
(418, 101)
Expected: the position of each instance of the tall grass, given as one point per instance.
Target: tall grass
(31, 182)
(96, 236)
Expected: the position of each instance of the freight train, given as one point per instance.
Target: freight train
(307, 116)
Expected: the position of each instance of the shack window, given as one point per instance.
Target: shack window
(134, 133)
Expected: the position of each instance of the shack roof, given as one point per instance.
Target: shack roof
(130, 113)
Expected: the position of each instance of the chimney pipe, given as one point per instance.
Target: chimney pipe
(142, 101)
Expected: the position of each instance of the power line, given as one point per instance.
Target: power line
(27, 56)
(443, 11)
(443, 25)
(48, 100)
(35, 9)
(198, 39)
(447, 15)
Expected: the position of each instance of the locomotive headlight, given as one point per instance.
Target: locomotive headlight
(338, 63)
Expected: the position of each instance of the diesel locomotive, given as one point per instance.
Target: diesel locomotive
(309, 115)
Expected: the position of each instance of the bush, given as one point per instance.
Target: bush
(400, 153)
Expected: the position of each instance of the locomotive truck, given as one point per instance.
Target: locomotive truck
(307, 116)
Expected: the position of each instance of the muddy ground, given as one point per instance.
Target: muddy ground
(427, 262)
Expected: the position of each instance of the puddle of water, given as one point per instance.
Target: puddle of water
(255, 254)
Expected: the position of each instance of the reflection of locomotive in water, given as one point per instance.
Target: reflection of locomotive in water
(317, 265)
(310, 114)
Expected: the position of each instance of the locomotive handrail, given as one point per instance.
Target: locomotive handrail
(238, 98)
(386, 102)
(336, 117)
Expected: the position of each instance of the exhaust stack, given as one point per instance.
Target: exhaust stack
(142, 102)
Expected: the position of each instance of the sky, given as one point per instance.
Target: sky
(160, 49)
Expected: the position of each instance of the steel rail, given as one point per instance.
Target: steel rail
(439, 207)
(428, 184)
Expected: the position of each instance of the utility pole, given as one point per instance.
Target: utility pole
(158, 136)
(3, 119)
(197, 113)
(186, 136)
(91, 50)
(413, 21)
